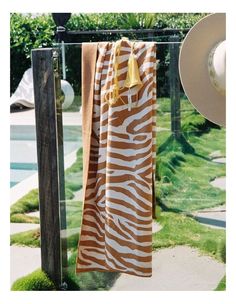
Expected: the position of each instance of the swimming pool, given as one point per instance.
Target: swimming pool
(23, 151)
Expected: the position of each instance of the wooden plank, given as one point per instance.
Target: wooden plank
(175, 87)
(47, 153)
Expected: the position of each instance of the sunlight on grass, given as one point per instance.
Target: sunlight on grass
(179, 229)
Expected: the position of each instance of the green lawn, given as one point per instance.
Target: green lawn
(178, 229)
(183, 179)
(222, 285)
(28, 203)
(182, 185)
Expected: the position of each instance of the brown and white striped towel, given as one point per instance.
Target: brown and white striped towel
(119, 162)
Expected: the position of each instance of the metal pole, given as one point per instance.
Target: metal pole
(174, 87)
(63, 59)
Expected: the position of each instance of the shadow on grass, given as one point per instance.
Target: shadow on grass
(180, 144)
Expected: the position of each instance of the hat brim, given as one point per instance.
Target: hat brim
(193, 67)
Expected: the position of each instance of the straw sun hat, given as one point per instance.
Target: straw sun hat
(202, 65)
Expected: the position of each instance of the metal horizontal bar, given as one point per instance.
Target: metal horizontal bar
(128, 31)
(80, 43)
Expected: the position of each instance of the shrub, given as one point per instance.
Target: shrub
(29, 32)
(36, 280)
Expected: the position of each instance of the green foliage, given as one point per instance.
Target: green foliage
(222, 285)
(74, 174)
(93, 280)
(28, 203)
(132, 20)
(95, 21)
(78, 164)
(194, 123)
(27, 33)
(24, 218)
(167, 164)
(69, 194)
(36, 280)
(223, 252)
(30, 238)
(179, 229)
(177, 20)
(187, 187)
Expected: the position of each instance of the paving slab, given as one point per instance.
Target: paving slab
(22, 227)
(78, 195)
(181, 268)
(219, 182)
(213, 217)
(28, 118)
(34, 214)
(216, 154)
(156, 227)
(24, 260)
(220, 160)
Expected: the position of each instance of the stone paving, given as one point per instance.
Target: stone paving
(178, 268)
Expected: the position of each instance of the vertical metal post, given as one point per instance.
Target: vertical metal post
(47, 123)
(60, 146)
(175, 87)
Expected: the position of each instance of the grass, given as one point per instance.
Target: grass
(30, 238)
(36, 280)
(74, 174)
(189, 189)
(184, 172)
(179, 229)
(184, 168)
(222, 285)
(28, 203)
(93, 280)
(74, 214)
(184, 178)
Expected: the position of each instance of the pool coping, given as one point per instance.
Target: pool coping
(22, 188)
(28, 118)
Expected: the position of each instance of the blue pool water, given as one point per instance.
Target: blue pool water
(23, 153)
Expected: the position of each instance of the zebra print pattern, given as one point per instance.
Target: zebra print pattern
(116, 231)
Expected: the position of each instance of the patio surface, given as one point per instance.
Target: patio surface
(178, 268)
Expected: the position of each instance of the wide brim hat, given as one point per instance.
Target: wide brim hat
(196, 76)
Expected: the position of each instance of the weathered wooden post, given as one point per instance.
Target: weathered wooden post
(174, 87)
(50, 159)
